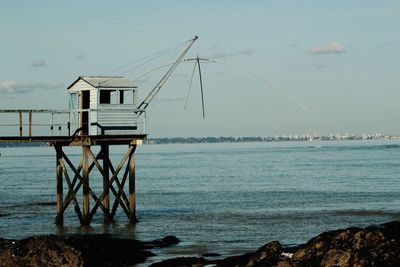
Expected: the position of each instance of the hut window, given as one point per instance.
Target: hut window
(126, 97)
(73, 101)
(121, 97)
(108, 97)
(105, 97)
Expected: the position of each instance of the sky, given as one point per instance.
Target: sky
(338, 58)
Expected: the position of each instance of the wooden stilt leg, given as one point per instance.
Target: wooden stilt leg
(112, 184)
(30, 123)
(86, 191)
(106, 181)
(20, 124)
(59, 197)
(132, 189)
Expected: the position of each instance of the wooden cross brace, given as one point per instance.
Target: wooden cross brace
(81, 179)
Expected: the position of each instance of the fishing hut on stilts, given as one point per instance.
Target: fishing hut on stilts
(103, 111)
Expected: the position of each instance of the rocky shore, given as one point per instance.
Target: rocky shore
(371, 246)
(94, 250)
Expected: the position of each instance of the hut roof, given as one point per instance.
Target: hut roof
(106, 82)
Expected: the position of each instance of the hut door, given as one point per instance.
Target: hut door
(85, 101)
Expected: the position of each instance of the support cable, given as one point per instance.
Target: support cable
(154, 55)
(164, 79)
(190, 84)
(276, 86)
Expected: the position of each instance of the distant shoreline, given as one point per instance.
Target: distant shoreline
(283, 138)
(243, 139)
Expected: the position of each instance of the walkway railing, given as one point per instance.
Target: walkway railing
(49, 122)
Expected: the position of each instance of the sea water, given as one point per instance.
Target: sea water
(228, 198)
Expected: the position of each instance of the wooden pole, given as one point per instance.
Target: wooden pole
(59, 197)
(69, 124)
(71, 188)
(85, 178)
(113, 178)
(30, 123)
(20, 123)
(106, 181)
(132, 188)
(110, 176)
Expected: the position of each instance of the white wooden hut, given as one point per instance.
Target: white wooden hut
(104, 105)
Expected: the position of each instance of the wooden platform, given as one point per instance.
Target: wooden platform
(76, 140)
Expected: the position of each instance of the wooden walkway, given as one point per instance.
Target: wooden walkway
(75, 140)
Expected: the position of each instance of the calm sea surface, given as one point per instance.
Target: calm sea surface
(225, 198)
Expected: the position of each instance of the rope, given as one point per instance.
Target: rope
(164, 79)
(151, 56)
(152, 70)
(276, 86)
(190, 84)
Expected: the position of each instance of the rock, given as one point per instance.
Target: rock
(267, 255)
(170, 239)
(240, 260)
(373, 246)
(182, 262)
(88, 250)
(39, 251)
(211, 254)
(102, 250)
(166, 241)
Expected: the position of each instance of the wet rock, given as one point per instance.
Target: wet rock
(101, 250)
(182, 262)
(39, 251)
(165, 242)
(211, 254)
(267, 255)
(233, 261)
(373, 246)
(88, 250)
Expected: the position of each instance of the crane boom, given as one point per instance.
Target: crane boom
(147, 100)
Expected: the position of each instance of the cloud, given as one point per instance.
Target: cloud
(293, 45)
(81, 57)
(314, 65)
(296, 66)
(14, 87)
(245, 52)
(332, 48)
(319, 65)
(39, 63)
(385, 45)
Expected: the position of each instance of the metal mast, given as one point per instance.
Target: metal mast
(164, 79)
